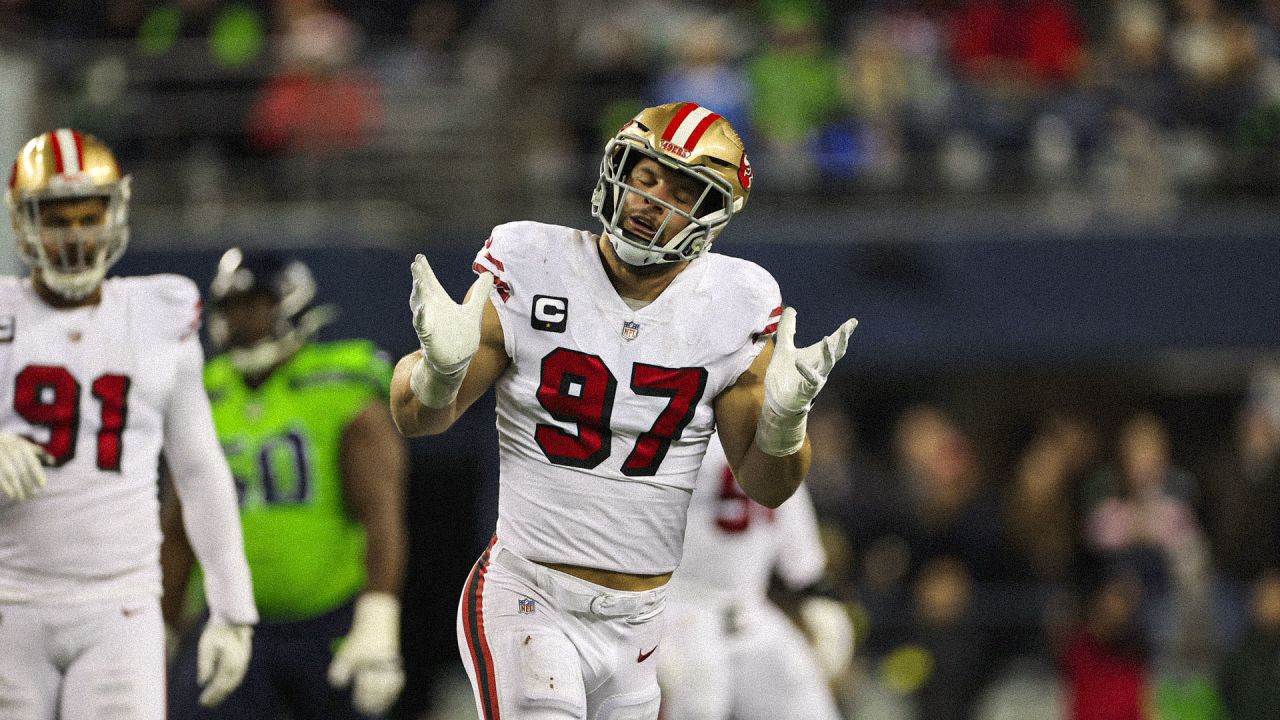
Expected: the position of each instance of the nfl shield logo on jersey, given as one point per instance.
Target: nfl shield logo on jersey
(630, 330)
(526, 606)
(7, 324)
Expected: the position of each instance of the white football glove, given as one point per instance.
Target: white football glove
(369, 659)
(222, 656)
(449, 333)
(21, 466)
(830, 634)
(791, 382)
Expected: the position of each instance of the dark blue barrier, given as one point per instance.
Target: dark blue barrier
(927, 305)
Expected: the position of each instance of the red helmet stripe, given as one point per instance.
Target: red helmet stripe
(676, 121)
(57, 154)
(68, 152)
(698, 130)
(79, 141)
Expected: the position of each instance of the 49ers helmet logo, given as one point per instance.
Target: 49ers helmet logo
(745, 173)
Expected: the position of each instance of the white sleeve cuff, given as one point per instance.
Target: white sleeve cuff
(435, 389)
(780, 435)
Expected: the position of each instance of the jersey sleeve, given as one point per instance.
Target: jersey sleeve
(506, 249)
(500, 244)
(203, 481)
(758, 307)
(173, 302)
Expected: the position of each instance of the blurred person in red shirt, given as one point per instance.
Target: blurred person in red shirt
(1104, 659)
(319, 100)
(1035, 42)
(1018, 65)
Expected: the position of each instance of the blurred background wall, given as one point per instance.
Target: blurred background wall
(1055, 220)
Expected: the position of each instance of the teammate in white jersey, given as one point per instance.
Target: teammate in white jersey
(615, 357)
(729, 651)
(100, 379)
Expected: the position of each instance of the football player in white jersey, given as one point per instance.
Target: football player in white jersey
(100, 379)
(614, 358)
(729, 651)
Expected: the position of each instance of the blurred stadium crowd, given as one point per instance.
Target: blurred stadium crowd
(1085, 564)
(1129, 107)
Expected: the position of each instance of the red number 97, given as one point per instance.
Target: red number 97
(579, 388)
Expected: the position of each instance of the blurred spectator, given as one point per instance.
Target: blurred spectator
(894, 78)
(198, 63)
(840, 479)
(1015, 46)
(1258, 135)
(1044, 503)
(1215, 56)
(1134, 177)
(101, 104)
(1184, 677)
(1214, 52)
(795, 85)
(1250, 674)
(1140, 513)
(614, 54)
(955, 511)
(1104, 660)
(319, 100)
(961, 649)
(1137, 87)
(1010, 56)
(704, 70)
(937, 503)
(429, 53)
(1133, 65)
(1242, 509)
(233, 33)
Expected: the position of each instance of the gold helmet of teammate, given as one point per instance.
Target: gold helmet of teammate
(68, 167)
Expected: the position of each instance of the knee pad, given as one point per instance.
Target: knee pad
(551, 673)
(641, 705)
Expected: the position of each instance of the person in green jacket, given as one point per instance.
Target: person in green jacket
(320, 471)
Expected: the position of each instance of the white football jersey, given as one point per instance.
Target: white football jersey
(734, 544)
(605, 412)
(94, 386)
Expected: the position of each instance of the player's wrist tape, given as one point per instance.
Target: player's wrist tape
(433, 388)
(780, 435)
(377, 614)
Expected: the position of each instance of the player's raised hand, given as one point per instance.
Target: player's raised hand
(222, 657)
(793, 379)
(21, 466)
(795, 376)
(449, 333)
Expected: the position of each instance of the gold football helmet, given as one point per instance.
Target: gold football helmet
(68, 165)
(687, 138)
